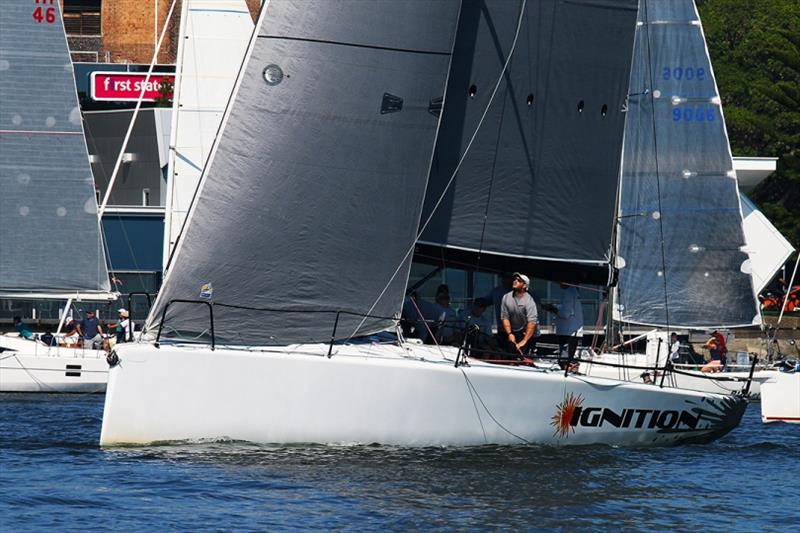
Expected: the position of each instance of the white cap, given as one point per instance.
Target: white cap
(523, 277)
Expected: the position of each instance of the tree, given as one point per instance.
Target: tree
(755, 50)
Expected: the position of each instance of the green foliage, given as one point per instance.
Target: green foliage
(165, 89)
(755, 50)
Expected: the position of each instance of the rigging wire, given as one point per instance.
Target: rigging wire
(655, 162)
(118, 164)
(439, 201)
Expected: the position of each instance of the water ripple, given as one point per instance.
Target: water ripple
(53, 475)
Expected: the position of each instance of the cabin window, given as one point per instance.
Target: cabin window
(604, 111)
(145, 197)
(82, 17)
(473, 90)
(580, 106)
(530, 100)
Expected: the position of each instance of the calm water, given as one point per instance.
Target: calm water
(53, 475)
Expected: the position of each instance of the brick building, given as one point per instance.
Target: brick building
(123, 31)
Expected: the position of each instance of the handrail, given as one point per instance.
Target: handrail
(746, 390)
(211, 306)
(130, 318)
(179, 300)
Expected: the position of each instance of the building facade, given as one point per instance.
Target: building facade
(124, 31)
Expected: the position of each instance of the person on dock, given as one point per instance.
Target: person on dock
(519, 318)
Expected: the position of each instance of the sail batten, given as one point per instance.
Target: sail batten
(680, 232)
(50, 238)
(305, 204)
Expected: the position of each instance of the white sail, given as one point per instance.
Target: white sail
(767, 248)
(213, 39)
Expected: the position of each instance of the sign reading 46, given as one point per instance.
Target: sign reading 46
(44, 14)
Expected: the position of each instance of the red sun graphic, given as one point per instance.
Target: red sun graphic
(564, 412)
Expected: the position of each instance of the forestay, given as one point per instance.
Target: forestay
(680, 231)
(50, 239)
(537, 190)
(213, 40)
(313, 190)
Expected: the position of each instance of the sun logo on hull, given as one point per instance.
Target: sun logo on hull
(562, 420)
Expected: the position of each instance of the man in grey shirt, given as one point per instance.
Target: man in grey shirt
(519, 317)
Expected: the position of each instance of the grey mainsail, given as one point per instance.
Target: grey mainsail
(537, 190)
(50, 238)
(678, 185)
(311, 195)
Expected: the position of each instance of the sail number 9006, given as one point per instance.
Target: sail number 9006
(693, 114)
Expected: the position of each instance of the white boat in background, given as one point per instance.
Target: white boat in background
(294, 259)
(780, 398)
(51, 244)
(649, 367)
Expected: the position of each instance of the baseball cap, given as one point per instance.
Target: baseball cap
(523, 277)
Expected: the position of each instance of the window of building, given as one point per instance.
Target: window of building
(82, 17)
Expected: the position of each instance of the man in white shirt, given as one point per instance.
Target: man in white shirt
(674, 348)
(569, 321)
(447, 326)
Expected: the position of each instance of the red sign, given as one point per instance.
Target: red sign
(127, 86)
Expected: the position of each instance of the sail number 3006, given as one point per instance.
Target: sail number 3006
(44, 14)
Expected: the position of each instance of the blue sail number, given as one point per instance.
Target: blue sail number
(684, 73)
(693, 114)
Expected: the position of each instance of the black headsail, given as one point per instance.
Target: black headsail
(311, 196)
(537, 190)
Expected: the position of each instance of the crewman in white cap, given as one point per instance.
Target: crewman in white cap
(124, 325)
(519, 317)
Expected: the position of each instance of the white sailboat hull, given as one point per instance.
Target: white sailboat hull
(691, 379)
(780, 398)
(30, 366)
(390, 395)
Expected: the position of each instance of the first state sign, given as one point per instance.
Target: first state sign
(127, 86)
